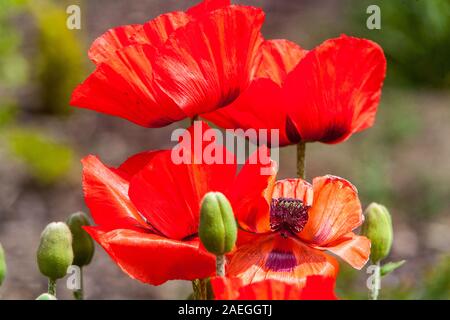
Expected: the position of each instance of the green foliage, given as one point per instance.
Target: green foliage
(390, 267)
(13, 66)
(60, 62)
(2, 265)
(437, 282)
(46, 159)
(415, 36)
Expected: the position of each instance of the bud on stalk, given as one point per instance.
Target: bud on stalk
(46, 296)
(82, 243)
(218, 229)
(378, 228)
(55, 253)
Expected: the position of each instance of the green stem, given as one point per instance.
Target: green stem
(52, 287)
(301, 152)
(79, 294)
(375, 290)
(220, 266)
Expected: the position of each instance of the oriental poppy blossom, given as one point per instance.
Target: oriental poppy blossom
(177, 65)
(325, 94)
(147, 211)
(285, 236)
(316, 288)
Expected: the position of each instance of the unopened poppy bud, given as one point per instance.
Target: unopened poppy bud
(55, 253)
(218, 229)
(82, 243)
(2, 265)
(378, 228)
(46, 296)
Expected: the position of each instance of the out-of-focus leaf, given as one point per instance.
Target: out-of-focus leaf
(46, 159)
(390, 266)
(60, 62)
(437, 282)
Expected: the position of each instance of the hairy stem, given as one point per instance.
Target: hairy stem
(301, 152)
(79, 294)
(200, 287)
(52, 287)
(375, 289)
(220, 266)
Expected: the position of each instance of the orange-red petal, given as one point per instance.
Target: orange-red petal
(275, 257)
(353, 249)
(336, 211)
(295, 189)
(153, 259)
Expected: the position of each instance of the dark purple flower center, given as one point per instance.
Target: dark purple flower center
(288, 215)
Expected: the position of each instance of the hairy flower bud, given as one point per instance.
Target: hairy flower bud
(55, 253)
(218, 229)
(2, 265)
(46, 296)
(82, 243)
(378, 228)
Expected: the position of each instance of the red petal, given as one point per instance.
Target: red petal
(319, 288)
(207, 6)
(270, 290)
(254, 108)
(226, 288)
(154, 32)
(123, 87)
(278, 258)
(336, 211)
(105, 46)
(153, 259)
(316, 288)
(279, 57)
(135, 163)
(353, 249)
(106, 195)
(169, 194)
(251, 193)
(207, 64)
(335, 89)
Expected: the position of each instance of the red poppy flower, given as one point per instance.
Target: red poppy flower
(285, 235)
(316, 288)
(325, 94)
(177, 65)
(147, 210)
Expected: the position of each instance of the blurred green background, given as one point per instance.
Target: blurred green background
(402, 162)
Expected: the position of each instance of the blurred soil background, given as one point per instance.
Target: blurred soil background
(402, 162)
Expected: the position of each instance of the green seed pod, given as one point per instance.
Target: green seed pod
(378, 228)
(2, 265)
(55, 253)
(82, 243)
(218, 229)
(46, 296)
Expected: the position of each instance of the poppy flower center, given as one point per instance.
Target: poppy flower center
(288, 215)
